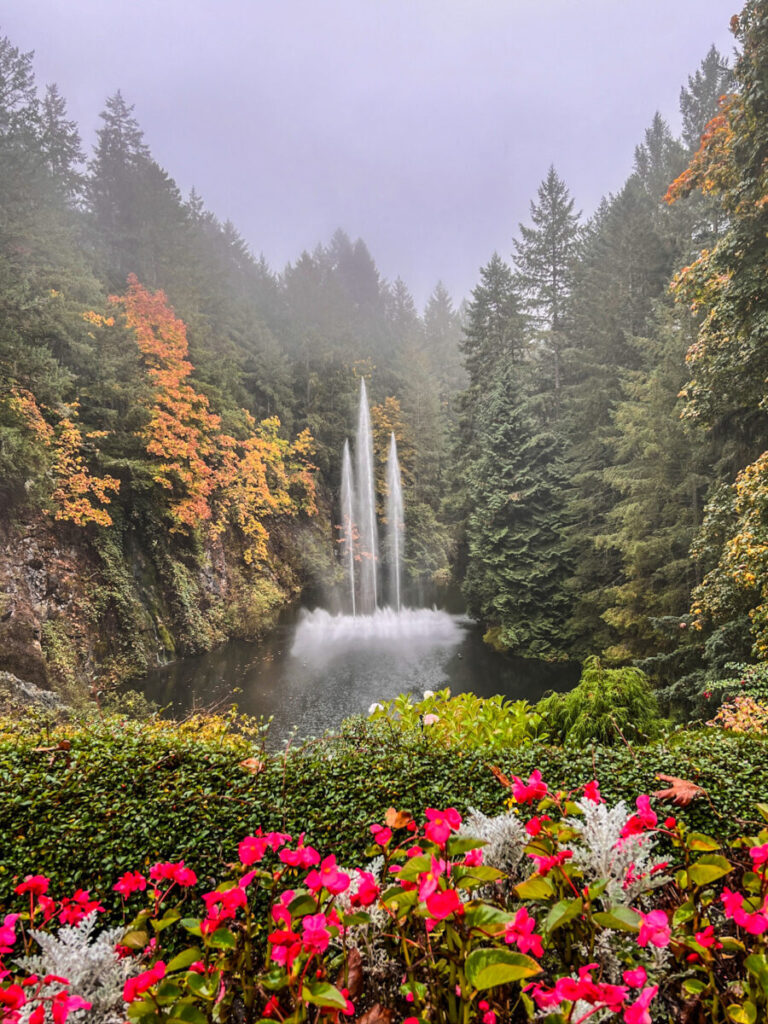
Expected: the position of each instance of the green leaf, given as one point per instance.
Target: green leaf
(223, 938)
(694, 985)
(745, 1014)
(481, 874)
(708, 869)
(411, 870)
(757, 965)
(459, 845)
(186, 1013)
(537, 887)
(322, 993)
(192, 925)
(141, 1009)
(203, 987)
(135, 939)
(487, 968)
(184, 959)
(302, 905)
(622, 919)
(698, 841)
(684, 912)
(563, 912)
(169, 917)
(485, 916)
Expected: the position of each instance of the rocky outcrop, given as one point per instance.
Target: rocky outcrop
(17, 694)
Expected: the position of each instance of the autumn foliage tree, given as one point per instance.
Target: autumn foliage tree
(212, 477)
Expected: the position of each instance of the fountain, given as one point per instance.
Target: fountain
(366, 620)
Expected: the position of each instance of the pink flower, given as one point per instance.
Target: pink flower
(530, 791)
(316, 935)
(473, 858)
(442, 904)
(131, 881)
(521, 932)
(545, 864)
(142, 982)
(34, 884)
(431, 719)
(592, 792)
(654, 929)
(429, 880)
(328, 877)
(707, 939)
(381, 835)
(171, 872)
(638, 1013)
(74, 910)
(643, 820)
(440, 824)
(367, 891)
(533, 826)
(302, 857)
(759, 855)
(252, 848)
(8, 933)
(635, 978)
(222, 906)
(63, 1004)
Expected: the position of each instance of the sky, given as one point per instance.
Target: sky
(422, 126)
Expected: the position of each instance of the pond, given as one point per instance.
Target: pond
(316, 669)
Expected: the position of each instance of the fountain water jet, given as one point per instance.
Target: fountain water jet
(348, 520)
(395, 521)
(366, 507)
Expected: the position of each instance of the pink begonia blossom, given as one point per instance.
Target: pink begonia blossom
(638, 1013)
(759, 854)
(34, 884)
(473, 858)
(431, 719)
(130, 882)
(635, 978)
(544, 864)
(315, 933)
(367, 891)
(532, 790)
(643, 820)
(328, 877)
(381, 835)
(302, 857)
(440, 824)
(137, 986)
(169, 871)
(8, 933)
(429, 881)
(74, 910)
(592, 792)
(533, 826)
(442, 904)
(521, 932)
(252, 848)
(654, 929)
(754, 923)
(707, 938)
(222, 906)
(63, 1004)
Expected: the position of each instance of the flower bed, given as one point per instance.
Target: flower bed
(563, 907)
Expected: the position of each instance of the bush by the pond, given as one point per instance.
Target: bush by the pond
(609, 706)
(560, 908)
(81, 802)
(466, 720)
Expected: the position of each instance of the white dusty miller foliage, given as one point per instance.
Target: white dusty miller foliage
(504, 835)
(91, 965)
(602, 853)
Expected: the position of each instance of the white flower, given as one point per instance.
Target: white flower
(375, 707)
(428, 694)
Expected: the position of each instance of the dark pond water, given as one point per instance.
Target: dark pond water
(317, 669)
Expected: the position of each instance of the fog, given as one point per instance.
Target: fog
(423, 126)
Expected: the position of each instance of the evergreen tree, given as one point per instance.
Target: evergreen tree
(517, 557)
(60, 142)
(544, 260)
(699, 101)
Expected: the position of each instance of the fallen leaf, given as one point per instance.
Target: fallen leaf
(397, 819)
(354, 977)
(680, 792)
(500, 776)
(252, 765)
(377, 1015)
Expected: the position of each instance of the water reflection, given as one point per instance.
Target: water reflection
(317, 669)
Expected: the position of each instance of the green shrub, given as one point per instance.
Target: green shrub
(467, 720)
(162, 791)
(609, 706)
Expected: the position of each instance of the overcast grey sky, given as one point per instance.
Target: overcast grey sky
(424, 126)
